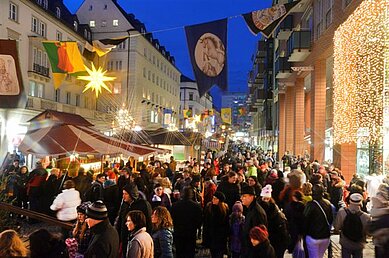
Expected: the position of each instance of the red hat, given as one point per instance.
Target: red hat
(259, 233)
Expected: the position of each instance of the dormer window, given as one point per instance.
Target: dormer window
(115, 23)
(75, 25)
(58, 12)
(92, 24)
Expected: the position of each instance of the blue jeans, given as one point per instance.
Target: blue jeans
(316, 247)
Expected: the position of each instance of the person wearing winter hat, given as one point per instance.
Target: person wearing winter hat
(279, 237)
(236, 223)
(352, 248)
(81, 232)
(105, 239)
(131, 201)
(216, 227)
(254, 216)
(160, 198)
(261, 246)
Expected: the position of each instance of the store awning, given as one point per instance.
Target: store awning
(54, 137)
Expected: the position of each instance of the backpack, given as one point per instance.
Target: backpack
(352, 226)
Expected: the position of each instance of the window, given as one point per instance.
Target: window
(43, 29)
(153, 59)
(85, 33)
(122, 45)
(115, 23)
(92, 24)
(31, 90)
(105, 7)
(148, 75)
(118, 65)
(145, 52)
(190, 95)
(117, 88)
(40, 90)
(103, 23)
(78, 100)
(75, 25)
(34, 24)
(68, 97)
(45, 4)
(90, 7)
(157, 80)
(57, 95)
(58, 35)
(58, 12)
(144, 72)
(13, 12)
(153, 78)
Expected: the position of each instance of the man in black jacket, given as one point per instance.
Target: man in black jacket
(105, 239)
(131, 201)
(187, 218)
(254, 216)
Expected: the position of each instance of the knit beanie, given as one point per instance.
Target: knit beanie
(266, 191)
(97, 211)
(82, 207)
(237, 207)
(220, 196)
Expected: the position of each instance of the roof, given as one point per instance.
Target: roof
(61, 117)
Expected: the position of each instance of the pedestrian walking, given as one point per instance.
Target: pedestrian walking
(141, 244)
(162, 233)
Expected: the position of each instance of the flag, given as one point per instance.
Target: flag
(12, 93)
(241, 111)
(226, 115)
(267, 20)
(65, 58)
(101, 47)
(187, 113)
(207, 44)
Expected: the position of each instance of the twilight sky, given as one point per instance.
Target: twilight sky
(169, 14)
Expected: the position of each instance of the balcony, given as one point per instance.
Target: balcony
(299, 46)
(41, 70)
(282, 70)
(284, 31)
(261, 51)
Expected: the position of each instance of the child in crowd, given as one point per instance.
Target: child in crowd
(236, 223)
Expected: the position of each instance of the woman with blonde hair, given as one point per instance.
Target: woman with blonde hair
(162, 232)
(11, 245)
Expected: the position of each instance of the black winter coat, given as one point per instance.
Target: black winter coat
(120, 223)
(294, 212)
(315, 224)
(262, 250)
(104, 242)
(216, 227)
(187, 218)
(254, 216)
(231, 191)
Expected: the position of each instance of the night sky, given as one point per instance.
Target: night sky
(171, 16)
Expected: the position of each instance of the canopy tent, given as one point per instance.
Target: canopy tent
(57, 133)
(162, 136)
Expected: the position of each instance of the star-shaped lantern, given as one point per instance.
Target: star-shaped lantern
(96, 80)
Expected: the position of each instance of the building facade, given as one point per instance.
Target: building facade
(201, 108)
(148, 82)
(303, 93)
(260, 97)
(240, 118)
(147, 79)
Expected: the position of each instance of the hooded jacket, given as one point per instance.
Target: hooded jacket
(66, 204)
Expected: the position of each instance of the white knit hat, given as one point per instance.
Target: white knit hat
(266, 191)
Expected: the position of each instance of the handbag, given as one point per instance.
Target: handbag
(298, 251)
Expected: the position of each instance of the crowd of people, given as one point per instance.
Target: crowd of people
(240, 203)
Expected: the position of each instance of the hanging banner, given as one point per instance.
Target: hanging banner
(207, 44)
(11, 84)
(267, 20)
(187, 113)
(65, 58)
(101, 47)
(226, 115)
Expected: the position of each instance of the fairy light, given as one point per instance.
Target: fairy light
(360, 44)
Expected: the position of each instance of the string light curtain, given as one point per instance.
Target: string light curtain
(360, 44)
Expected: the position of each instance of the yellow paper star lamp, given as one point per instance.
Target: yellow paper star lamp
(96, 80)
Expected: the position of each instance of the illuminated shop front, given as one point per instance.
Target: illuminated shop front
(361, 86)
